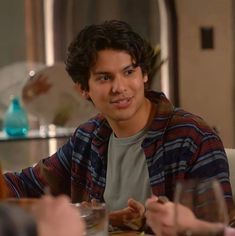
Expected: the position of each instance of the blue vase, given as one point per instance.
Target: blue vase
(15, 122)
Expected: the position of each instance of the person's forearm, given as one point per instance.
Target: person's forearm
(207, 228)
(229, 231)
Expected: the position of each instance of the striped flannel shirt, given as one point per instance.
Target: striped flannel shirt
(178, 146)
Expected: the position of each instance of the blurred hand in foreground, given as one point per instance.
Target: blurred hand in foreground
(57, 216)
(161, 217)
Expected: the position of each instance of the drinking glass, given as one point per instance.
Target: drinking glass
(95, 217)
(204, 198)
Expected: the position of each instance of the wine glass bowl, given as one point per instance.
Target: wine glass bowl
(204, 198)
(95, 217)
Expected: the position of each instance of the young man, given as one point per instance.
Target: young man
(138, 145)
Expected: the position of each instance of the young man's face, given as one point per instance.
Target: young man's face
(116, 86)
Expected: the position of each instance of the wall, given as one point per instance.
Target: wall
(206, 77)
(12, 45)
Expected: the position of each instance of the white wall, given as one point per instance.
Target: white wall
(207, 76)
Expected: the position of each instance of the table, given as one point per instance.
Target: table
(129, 233)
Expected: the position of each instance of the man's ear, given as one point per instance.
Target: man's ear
(81, 91)
(146, 78)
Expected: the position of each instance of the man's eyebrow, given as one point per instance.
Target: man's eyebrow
(102, 72)
(132, 66)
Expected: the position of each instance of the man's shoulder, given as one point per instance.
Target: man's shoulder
(187, 119)
(92, 125)
(182, 115)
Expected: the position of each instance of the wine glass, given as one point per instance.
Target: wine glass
(95, 216)
(204, 198)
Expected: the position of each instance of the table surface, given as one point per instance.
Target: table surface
(129, 233)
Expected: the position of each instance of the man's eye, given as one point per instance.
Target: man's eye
(129, 72)
(104, 77)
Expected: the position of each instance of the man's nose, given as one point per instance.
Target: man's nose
(119, 84)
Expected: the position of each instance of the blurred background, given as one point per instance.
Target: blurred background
(195, 39)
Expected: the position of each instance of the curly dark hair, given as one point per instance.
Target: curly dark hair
(113, 34)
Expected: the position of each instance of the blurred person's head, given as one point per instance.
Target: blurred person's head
(115, 35)
(16, 222)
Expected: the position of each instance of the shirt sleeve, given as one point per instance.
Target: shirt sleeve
(210, 161)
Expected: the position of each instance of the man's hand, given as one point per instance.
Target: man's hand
(131, 217)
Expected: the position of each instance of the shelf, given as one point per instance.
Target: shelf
(51, 132)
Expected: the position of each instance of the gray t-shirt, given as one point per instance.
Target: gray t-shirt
(127, 173)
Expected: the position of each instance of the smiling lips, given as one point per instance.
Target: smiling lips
(122, 102)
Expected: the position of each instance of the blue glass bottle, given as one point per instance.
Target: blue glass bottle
(15, 122)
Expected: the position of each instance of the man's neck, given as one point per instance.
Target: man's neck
(129, 128)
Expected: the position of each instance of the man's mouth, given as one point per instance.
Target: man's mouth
(122, 102)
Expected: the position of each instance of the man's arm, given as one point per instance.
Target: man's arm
(210, 161)
(52, 172)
